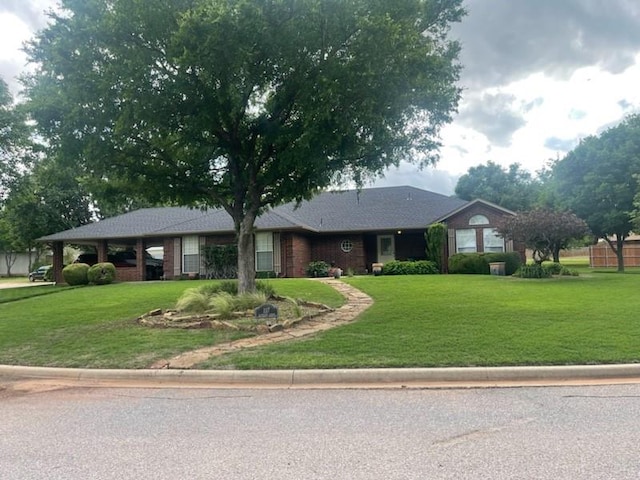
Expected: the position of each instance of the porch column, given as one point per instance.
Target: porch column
(58, 261)
(101, 249)
(141, 261)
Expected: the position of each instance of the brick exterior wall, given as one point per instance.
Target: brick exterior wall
(128, 274)
(461, 221)
(296, 254)
(168, 259)
(328, 248)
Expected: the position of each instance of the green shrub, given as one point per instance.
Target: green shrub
(102, 273)
(318, 269)
(48, 275)
(468, 263)
(76, 274)
(559, 269)
(269, 274)
(421, 267)
(478, 263)
(533, 271)
(220, 261)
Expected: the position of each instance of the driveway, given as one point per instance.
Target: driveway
(22, 283)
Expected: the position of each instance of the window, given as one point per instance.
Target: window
(466, 240)
(346, 246)
(264, 252)
(478, 220)
(492, 242)
(190, 254)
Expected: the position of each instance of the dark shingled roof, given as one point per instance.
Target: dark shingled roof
(390, 208)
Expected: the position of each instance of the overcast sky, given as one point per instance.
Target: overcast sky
(538, 76)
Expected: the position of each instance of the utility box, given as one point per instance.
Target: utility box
(497, 268)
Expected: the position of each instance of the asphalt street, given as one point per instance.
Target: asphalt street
(496, 433)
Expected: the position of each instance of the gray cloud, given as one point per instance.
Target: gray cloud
(30, 12)
(495, 116)
(506, 40)
(431, 179)
(561, 144)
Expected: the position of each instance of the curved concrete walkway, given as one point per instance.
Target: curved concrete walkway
(175, 373)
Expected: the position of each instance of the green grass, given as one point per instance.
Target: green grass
(13, 294)
(95, 326)
(416, 321)
(469, 320)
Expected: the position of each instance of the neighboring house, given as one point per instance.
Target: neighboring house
(350, 230)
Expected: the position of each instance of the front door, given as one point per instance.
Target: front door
(386, 248)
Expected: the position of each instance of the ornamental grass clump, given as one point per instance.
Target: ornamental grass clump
(193, 300)
(222, 299)
(223, 304)
(249, 301)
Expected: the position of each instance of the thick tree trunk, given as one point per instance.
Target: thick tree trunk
(246, 255)
(617, 249)
(620, 253)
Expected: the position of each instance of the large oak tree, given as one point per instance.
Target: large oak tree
(243, 104)
(512, 188)
(596, 181)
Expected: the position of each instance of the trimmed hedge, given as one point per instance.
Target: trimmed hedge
(478, 263)
(420, 267)
(76, 274)
(318, 269)
(102, 273)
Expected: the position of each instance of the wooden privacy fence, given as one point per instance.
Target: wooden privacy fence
(601, 255)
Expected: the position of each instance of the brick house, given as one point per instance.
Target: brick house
(349, 229)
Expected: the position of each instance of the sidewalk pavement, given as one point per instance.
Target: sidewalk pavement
(176, 372)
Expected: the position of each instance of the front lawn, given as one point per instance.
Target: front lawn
(472, 320)
(416, 321)
(95, 326)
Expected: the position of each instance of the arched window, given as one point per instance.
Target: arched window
(478, 220)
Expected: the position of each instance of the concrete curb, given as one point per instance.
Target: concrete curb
(339, 378)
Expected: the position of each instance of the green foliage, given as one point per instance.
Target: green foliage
(194, 300)
(558, 269)
(533, 271)
(544, 231)
(421, 267)
(223, 304)
(436, 238)
(220, 261)
(512, 260)
(468, 263)
(299, 82)
(76, 274)
(223, 296)
(318, 269)
(249, 301)
(266, 275)
(514, 188)
(594, 181)
(48, 275)
(102, 273)
(478, 263)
